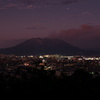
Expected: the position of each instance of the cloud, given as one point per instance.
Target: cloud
(33, 3)
(61, 2)
(86, 13)
(16, 3)
(49, 2)
(69, 1)
(36, 26)
(10, 5)
(27, 1)
(86, 36)
(26, 7)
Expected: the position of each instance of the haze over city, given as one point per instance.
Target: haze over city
(75, 21)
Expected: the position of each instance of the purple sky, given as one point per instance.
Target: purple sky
(75, 21)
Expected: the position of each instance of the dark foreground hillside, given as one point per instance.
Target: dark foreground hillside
(30, 84)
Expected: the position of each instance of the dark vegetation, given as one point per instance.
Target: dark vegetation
(29, 83)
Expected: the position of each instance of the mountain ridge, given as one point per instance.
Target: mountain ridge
(41, 46)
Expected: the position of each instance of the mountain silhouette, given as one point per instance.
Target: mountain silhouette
(42, 46)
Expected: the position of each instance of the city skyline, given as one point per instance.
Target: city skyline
(75, 21)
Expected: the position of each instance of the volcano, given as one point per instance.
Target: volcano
(42, 46)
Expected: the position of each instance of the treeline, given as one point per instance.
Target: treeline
(29, 83)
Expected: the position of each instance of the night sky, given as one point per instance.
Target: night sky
(75, 21)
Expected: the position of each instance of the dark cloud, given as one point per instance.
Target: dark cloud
(32, 3)
(51, 2)
(16, 3)
(61, 2)
(27, 1)
(10, 5)
(36, 26)
(87, 36)
(86, 27)
(65, 2)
